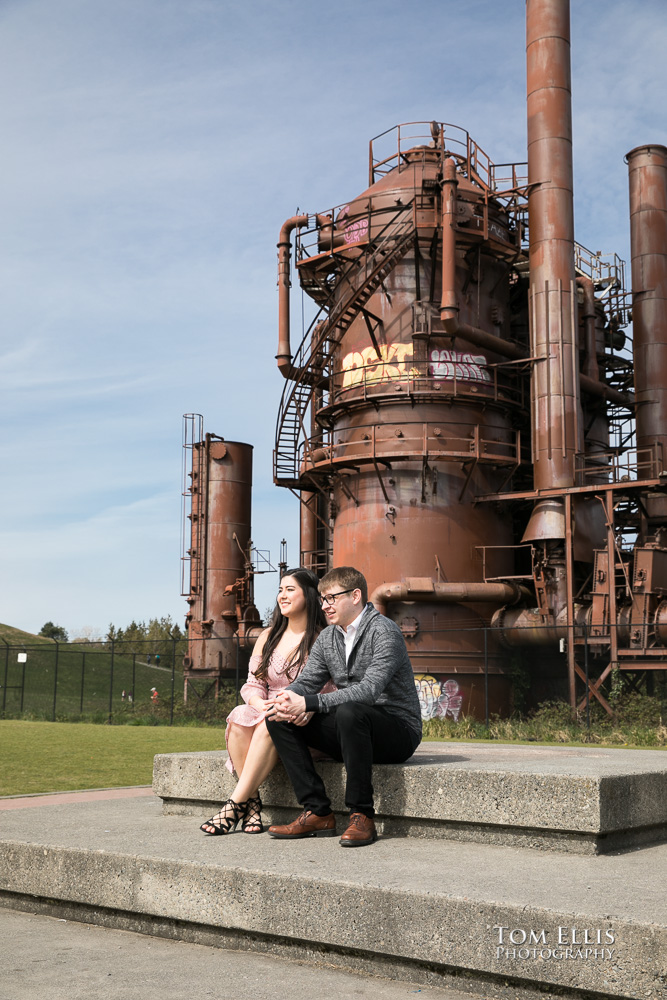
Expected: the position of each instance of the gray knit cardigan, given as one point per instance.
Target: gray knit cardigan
(378, 671)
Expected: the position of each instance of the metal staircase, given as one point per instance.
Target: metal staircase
(313, 358)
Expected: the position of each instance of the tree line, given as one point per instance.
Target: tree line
(152, 642)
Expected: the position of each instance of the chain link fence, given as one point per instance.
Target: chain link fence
(92, 680)
(143, 681)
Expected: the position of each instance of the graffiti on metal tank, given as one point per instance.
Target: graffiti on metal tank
(452, 365)
(436, 700)
(365, 366)
(356, 231)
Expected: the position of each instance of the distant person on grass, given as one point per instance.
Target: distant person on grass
(372, 718)
(277, 659)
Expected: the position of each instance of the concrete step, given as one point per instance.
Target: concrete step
(497, 920)
(579, 800)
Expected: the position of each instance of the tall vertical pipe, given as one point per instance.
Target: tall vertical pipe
(449, 309)
(308, 530)
(553, 332)
(591, 367)
(647, 166)
(284, 355)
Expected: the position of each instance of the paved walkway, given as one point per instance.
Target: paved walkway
(80, 961)
(112, 851)
(45, 957)
(69, 798)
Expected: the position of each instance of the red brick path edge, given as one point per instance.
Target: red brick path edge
(67, 798)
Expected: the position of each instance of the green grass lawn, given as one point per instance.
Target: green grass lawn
(55, 757)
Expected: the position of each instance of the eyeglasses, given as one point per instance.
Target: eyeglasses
(330, 599)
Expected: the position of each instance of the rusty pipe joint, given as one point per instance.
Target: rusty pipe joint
(249, 634)
(526, 627)
(505, 349)
(425, 591)
(284, 355)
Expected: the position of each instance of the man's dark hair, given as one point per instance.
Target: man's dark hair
(347, 578)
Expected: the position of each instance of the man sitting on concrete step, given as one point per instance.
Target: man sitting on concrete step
(372, 718)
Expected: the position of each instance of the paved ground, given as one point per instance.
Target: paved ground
(54, 959)
(68, 798)
(63, 960)
(60, 960)
(622, 886)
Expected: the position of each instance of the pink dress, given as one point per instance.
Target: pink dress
(276, 681)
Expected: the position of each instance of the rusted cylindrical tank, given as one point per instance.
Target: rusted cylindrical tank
(221, 532)
(647, 167)
(421, 421)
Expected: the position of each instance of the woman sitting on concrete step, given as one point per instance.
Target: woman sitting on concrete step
(279, 656)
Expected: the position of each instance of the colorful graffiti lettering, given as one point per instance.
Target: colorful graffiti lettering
(452, 365)
(356, 231)
(365, 366)
(436, 700)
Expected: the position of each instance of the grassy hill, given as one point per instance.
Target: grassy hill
(78, 678)
(16, 636)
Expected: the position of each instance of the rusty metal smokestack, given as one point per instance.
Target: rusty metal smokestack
(647, 167)
(553, 326)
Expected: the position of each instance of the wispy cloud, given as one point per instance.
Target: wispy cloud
(151, 152)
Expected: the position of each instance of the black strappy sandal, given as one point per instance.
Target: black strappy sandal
(253, 816)
(230, 815)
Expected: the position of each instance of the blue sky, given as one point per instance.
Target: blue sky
(151, 151)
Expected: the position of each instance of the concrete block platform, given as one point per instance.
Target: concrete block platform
(499, 921)
(579, 800)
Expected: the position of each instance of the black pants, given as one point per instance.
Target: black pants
(359, 735)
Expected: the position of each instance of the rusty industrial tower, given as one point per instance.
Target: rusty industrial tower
(467, 420)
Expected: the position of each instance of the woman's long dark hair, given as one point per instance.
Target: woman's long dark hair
(315, 622)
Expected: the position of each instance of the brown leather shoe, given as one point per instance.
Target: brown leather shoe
(360, 832)
(306, 825)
